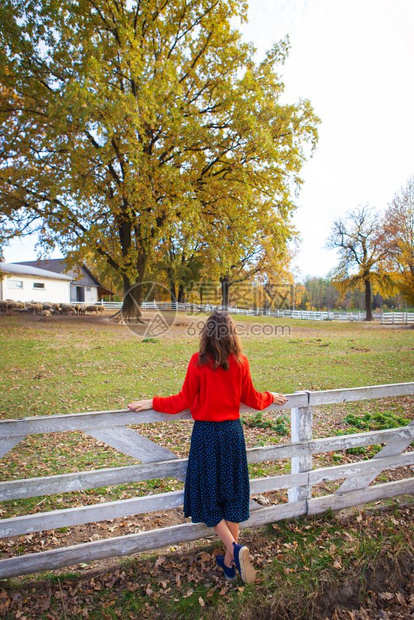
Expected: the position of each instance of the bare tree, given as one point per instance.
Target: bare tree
(361, 258)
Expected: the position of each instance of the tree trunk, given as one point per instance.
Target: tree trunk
(368, 304)
(225, 286)
(133, 295)
(181, 294)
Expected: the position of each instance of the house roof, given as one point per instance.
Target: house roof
(27, 270)
(59, 265)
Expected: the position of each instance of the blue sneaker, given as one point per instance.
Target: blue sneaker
(243, 565)
(229, 571)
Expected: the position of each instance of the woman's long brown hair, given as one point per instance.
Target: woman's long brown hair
(219, 340)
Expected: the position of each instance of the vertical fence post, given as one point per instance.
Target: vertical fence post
(301, 430)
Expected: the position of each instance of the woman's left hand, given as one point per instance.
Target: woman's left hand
(140, 405)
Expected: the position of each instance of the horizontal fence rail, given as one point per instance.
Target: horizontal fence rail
(111, 427)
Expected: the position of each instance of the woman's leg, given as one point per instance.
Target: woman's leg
(223, 531)
(234, 529)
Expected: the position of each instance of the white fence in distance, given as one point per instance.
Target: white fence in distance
(112, 428)
(391, 318)
(314, 315)
(385, 318)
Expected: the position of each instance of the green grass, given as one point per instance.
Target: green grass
(69, 367)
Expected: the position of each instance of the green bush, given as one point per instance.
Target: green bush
(371, 422)
(375, 421)
(280, 424)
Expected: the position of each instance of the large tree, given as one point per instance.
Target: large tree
(120, 118)
(361, 258)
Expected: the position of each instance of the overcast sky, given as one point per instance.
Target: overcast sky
(354, 60)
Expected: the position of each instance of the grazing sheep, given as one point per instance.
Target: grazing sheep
(14, 305)
(32, 307)
(91, 309)
(7, 305)
(67, 309)
(46, 313)
(101, 309)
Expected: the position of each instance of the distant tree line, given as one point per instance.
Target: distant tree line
(317, 293)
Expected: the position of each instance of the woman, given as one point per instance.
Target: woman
(217, 490)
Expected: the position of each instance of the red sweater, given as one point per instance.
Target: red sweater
(215, 395)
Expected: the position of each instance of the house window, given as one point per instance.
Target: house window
(38, 285)
(15, 284)
(88, 288)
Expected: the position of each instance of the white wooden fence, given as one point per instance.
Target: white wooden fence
(386, 318)
(391, 318)
(315, 315)
(111, 427)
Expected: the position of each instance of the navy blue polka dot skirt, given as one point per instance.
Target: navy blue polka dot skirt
(217, 481)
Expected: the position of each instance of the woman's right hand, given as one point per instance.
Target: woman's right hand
(279, 399)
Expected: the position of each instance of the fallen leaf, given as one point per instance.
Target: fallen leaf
(400, 598)
(160, 560)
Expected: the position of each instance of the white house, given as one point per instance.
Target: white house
(26, 283)
(84, 286)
